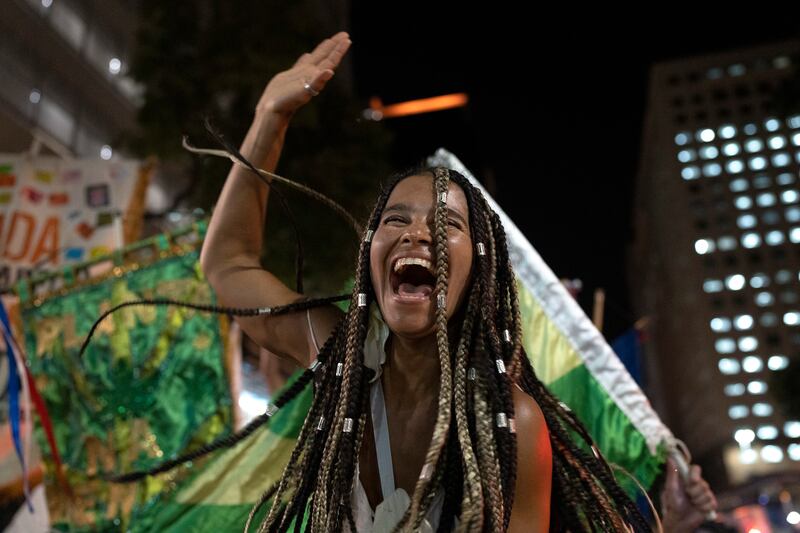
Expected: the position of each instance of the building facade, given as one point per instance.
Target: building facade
(65, 88)
(716, 259)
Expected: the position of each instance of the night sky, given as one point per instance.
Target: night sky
(554, 118)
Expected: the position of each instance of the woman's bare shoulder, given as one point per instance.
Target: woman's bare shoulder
(531, 511)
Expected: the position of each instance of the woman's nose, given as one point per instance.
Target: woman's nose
(418, 233)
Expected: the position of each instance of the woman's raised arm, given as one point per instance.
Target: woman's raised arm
(232, 248)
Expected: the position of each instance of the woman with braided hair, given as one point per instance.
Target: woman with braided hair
(426, 414)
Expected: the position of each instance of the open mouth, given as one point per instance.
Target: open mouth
(412, 278)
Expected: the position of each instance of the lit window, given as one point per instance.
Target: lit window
(720, 324)
(757, 163)
(793, 121)
(792, 214)
(35, 96)
(704, 246)
(763, 299)
(709, 152)
(759, 281)
(777, 142)
(743, 322)
(768, 320)
(752, 363)
(106, 152)
(750, 129)
(796, 139)
(765, 199)
(727, 131)
(777, 362)
(772, 124)
(746, 221)
(762, 409)
(712, 169)
(794, 451)
(744, 436)
(714, 73)
(706, 135)
(748, 456)
(736, 69)
(748, 344)
(791, 318)
(783, 276)
(712, 285)
(781, 62)
(767, 432)
(772, 454)
(785, 179)
(114, 66)
(681, 138)
(735, 282)
(739, 185)
(726, 243)
(754, 145)
(728, 366)
(734, 166)
(684, 156)
(792, 429)
(734, 389)
(690, 173)
(731, 149)
(774, 238)
(751, 240)
(790, 196)
(756, 387)
(743, 202)
(794, 234)
(762, 182)
(737, 411)
(725, 345)
(781, 159)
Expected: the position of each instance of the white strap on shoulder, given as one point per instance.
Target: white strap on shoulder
(380, 429)
(311, 329)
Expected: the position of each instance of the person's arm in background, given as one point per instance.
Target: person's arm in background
(684, 507)
(230, 257)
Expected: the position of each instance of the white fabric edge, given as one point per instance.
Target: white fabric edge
(569, 318)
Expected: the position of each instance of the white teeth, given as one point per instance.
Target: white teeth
(404, 261)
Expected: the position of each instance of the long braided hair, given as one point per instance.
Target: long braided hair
(473, 451)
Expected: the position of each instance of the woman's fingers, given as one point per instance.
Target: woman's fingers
(332, 60)
(322, 50)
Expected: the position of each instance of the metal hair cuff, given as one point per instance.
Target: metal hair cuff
(264, 310)
(339, 369)
(348, 425)
(443, 197)
(321, 423)
(315, 365)
(362, 299)
(481, 249)
(502, 420)
(471, 374)
(512, 426)
(506, 335)
(427, 471)
(271, 409)
(441, 301)
(368, 237)
(501, 366)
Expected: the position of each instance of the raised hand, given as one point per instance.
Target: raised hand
(685, 506)
(291, 89)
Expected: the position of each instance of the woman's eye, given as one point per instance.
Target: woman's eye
(392, 219)
(454, 223)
